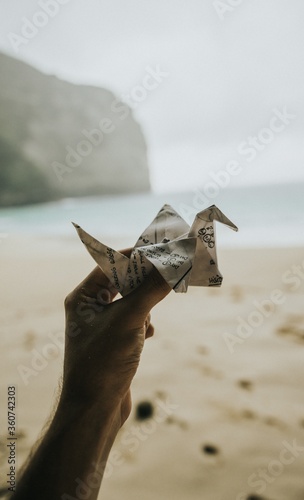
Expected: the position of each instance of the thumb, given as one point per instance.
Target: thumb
(148, 294)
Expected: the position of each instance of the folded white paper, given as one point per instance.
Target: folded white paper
(183, 255)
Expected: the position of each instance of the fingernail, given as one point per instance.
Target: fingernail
(105, 296)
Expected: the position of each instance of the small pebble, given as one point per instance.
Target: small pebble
(245, 384)
(209, 449)
(144, 410)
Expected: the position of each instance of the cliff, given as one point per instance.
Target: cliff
(63, 140)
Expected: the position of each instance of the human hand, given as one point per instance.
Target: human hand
(104, 341)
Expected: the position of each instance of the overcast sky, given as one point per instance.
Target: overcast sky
(222, 67)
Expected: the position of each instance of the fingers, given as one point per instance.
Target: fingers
(149, 329)
(140, 301)
(96, 285)
(149, 332)
(151, 291)
(133, 308)
(147, 295)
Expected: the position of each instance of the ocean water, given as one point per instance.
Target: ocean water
(266, 216)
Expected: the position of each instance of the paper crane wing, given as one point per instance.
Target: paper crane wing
(167, 226)
(173, 260)
(114, 264)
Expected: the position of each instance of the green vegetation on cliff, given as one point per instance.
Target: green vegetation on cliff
(63, 140)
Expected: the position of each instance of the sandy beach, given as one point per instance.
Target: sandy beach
(224, 373)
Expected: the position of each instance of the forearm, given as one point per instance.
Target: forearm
(70, 461)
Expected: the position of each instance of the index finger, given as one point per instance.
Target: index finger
(96, 281)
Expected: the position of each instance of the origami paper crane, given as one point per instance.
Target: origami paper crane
(182, 254)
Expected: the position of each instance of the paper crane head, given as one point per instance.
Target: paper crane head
(183, 255)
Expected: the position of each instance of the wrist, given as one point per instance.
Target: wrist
(98, 415)
(57, 462)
